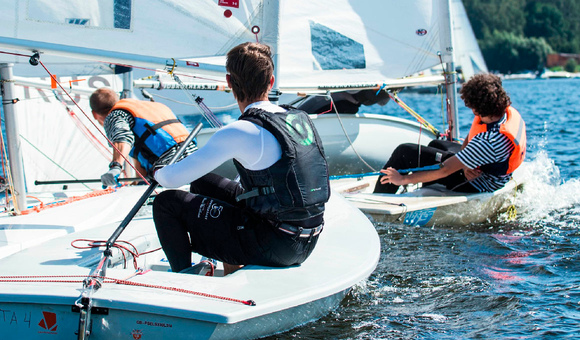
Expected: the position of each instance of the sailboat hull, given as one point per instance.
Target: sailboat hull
(373, 137)
(161, 304)
(432, 205)
(42, 321)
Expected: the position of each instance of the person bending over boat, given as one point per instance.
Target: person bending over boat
(274, 215)
(147, 131)
(494, 148)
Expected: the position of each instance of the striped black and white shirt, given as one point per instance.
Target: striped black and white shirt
(487, 148)
(118, 126)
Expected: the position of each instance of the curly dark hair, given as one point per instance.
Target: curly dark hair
(485, 94)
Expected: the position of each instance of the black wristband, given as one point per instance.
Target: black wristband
(114, 164)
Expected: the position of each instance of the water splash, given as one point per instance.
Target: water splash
(546, 197)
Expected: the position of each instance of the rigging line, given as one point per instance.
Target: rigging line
(417, 116)
(84, 129)
(46, 156)
(419, 58)
(133, 251)
(198, 101)
(68, 200)
(378, 173)
(92, 122)
(60, 279)
(15, 54)
(346, 134)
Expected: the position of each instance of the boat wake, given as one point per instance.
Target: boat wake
(547, 198)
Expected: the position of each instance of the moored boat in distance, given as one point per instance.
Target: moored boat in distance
(519, 76)
(555, 74)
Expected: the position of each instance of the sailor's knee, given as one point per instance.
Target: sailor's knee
(164, 201)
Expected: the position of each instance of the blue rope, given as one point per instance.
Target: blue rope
(402, 171)
(380, 89)
(355, 175)
(424, 168)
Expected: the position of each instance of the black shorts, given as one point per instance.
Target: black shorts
(410, 155)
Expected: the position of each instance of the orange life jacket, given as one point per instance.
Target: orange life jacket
(156, 129)
(514, 128)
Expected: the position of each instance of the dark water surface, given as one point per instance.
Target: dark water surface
(513, 280)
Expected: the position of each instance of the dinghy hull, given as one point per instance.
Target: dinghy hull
(161, 304)
(429, 206)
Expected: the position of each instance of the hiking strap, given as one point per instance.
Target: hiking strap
(259, 191)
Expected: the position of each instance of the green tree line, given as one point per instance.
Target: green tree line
(517, 35)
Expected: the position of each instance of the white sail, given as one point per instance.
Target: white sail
(467, 51)
(322, 44)
(80, 151)
(142, 33)
(344, 43)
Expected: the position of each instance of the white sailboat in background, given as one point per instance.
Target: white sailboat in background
(469, 56)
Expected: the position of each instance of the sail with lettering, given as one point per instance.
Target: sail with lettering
(59, 139)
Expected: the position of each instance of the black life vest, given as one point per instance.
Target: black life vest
(296, 187)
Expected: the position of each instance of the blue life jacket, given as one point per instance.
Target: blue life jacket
(156, 129)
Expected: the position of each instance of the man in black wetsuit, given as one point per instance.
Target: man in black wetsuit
(274, 215)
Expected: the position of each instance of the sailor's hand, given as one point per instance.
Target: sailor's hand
(471, 174)
(392, 176)
(111, 177)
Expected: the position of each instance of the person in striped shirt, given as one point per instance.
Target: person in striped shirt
(494, 148)
(149, 132)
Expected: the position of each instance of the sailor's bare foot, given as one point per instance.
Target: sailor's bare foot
(230, 268)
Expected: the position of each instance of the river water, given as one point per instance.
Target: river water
(513, 280)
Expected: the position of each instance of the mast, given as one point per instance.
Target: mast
(127, 84)
(448, 58)
(271, 37)
(12, 139)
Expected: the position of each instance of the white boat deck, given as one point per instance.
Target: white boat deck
(347, 252)
(23, 231)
